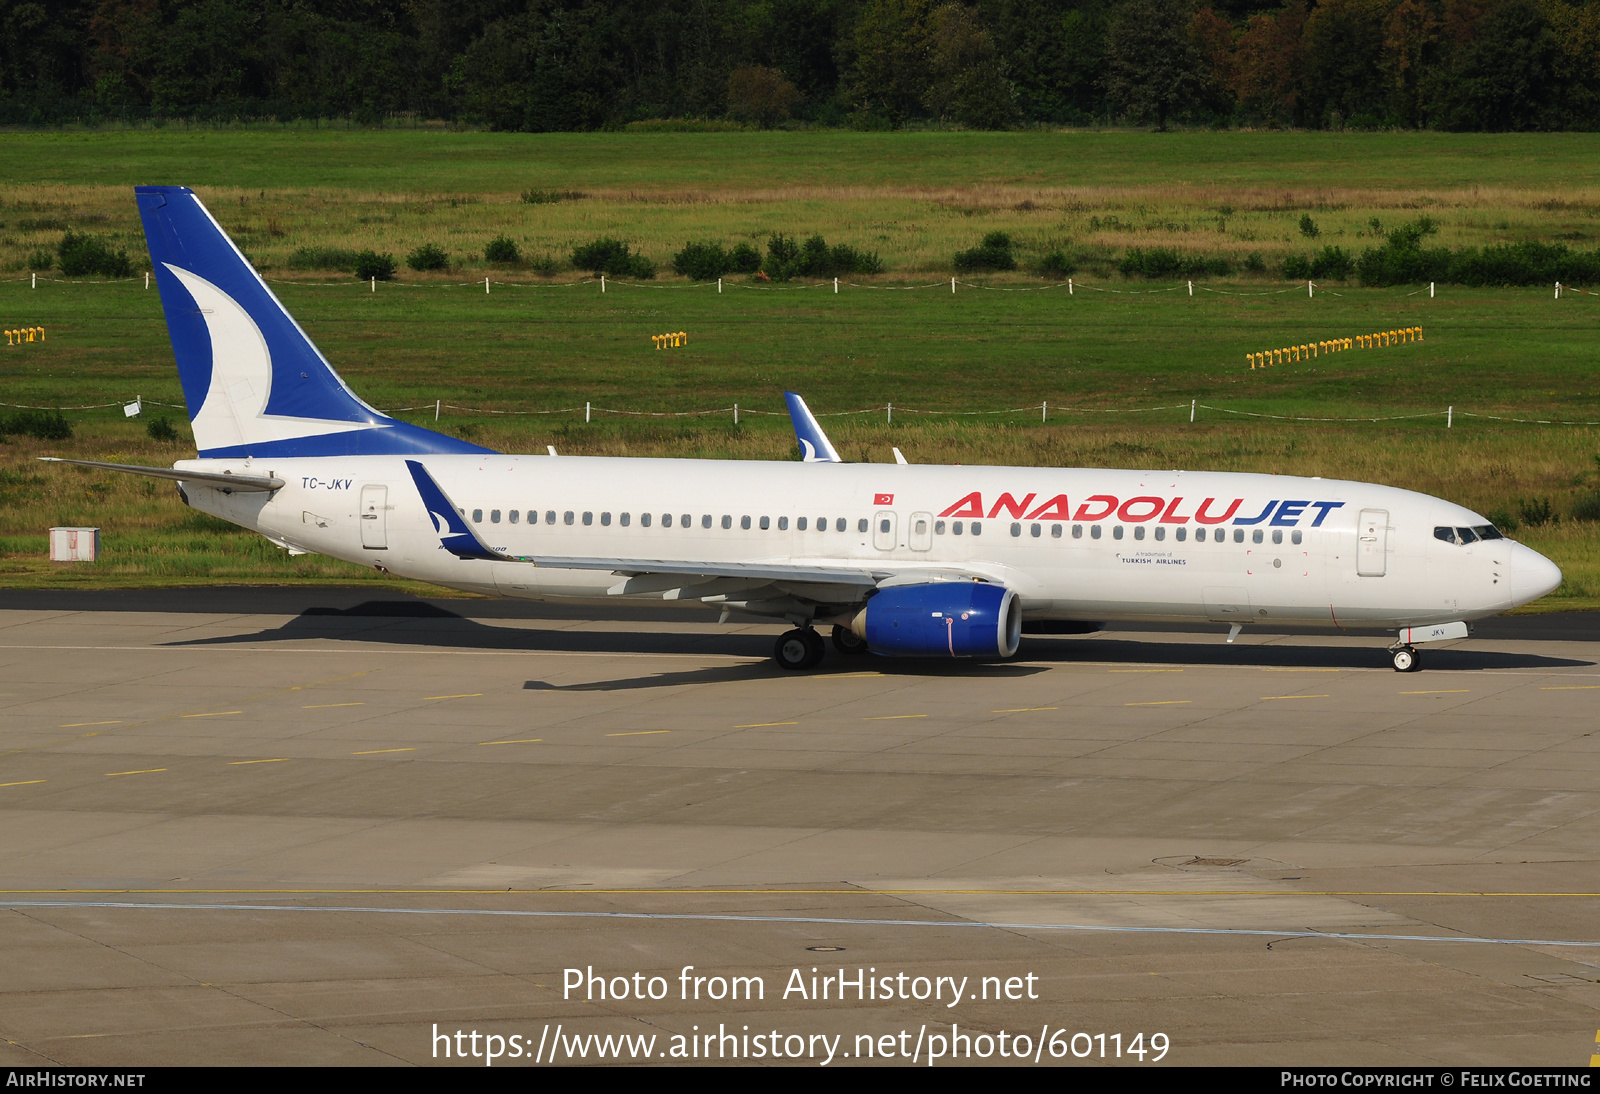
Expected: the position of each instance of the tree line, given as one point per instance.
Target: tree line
(572, 65)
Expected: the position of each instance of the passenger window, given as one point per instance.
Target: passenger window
(1238, 535)
(839, 525)
(727, 522)
(1035, 530)
(883, 526)
(550, 516)
(920, 528)
(644, 520)
(494, 516)
(783, 524)
(938, 527)
(955, 528)
(1181, 534)
(1277, 535)
(588, 519)
(666, 520)
(686, 520)
(1199, 535)
(1138, 532)
(1161, 533)
(623, 520)
(1016, 529)
(567, 517)
(1055, 531)
(1094, 531)
(977, 529)
(1257, 536)
(477, 516)
(605, 520)
(1077, 531)
(800, 524)
(744, 522)
(861, 525)
(1295, 536)
(513, 515)
(705, 520)
(1116, 532)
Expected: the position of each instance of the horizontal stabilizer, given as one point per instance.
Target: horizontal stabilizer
(225, 479)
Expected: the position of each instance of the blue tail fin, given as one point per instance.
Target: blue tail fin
(253, 382)
(814, 444)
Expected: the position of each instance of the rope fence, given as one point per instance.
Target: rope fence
(1072, 285)
(888, 410)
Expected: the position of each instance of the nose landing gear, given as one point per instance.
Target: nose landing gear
(801, 648)
(1406, 659)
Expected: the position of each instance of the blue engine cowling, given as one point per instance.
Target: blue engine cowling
(942, 619)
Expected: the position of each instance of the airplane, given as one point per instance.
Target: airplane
(899, 559)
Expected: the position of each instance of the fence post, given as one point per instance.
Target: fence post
(890, 409)
(1191, 288)
(35, 284)
(602, 283)
(1192, 404)
(735, 413)
(1558, 290)
(486, 286)
(1449, 418)
(836, 286)
(436, 404)
(1044, 411)
(1069, 286)
(374, 284)
(719, 286)
(147, 279)
(952, 286)
(1309, 291)
(585, 412)
(1430, 290)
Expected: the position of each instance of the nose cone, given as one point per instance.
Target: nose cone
(1532, 575)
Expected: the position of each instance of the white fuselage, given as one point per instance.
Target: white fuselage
(1074, 544)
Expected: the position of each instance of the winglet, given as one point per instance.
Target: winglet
(455, 533)
(814, 444)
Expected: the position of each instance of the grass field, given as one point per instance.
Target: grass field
(915, 198)
(532, 345)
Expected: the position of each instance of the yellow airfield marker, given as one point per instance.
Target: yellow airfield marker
(764, 725)
(241, 763)
(639, 733)
(381, 751)
(146, 771)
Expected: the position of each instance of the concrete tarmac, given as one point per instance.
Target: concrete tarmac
(339, 827)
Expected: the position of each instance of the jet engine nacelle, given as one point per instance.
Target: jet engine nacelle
(942, 619)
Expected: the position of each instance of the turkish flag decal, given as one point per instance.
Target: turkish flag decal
(883, 499)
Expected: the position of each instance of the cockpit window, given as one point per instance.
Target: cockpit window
(1446, 534)
(1466, 535)
(1488, 531)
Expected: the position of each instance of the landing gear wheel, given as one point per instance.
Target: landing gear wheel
(1405, 659)
(801, 648)
(848, 643)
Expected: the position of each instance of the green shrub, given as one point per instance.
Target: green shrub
(82, 255)
(744, 259)
(1587, 507)
(41, 260)
(1308, 227)
(1535, 512)
(322, 258)
(47, 425)
(373, 266)
(502, 251)
(1255, 263)
(429, 256)
(549, 197)
(1332, 262)
(1164, 262)
(1055, 265)
(782, 250)
(544, 266)
(612, 256)
(160, 429)
(993, 253)
(702, 261)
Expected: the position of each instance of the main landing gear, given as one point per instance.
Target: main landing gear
(801, 648)
(1406, 659)
(847, 642)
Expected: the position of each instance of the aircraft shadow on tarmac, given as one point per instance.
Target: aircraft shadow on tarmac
(413, 623)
